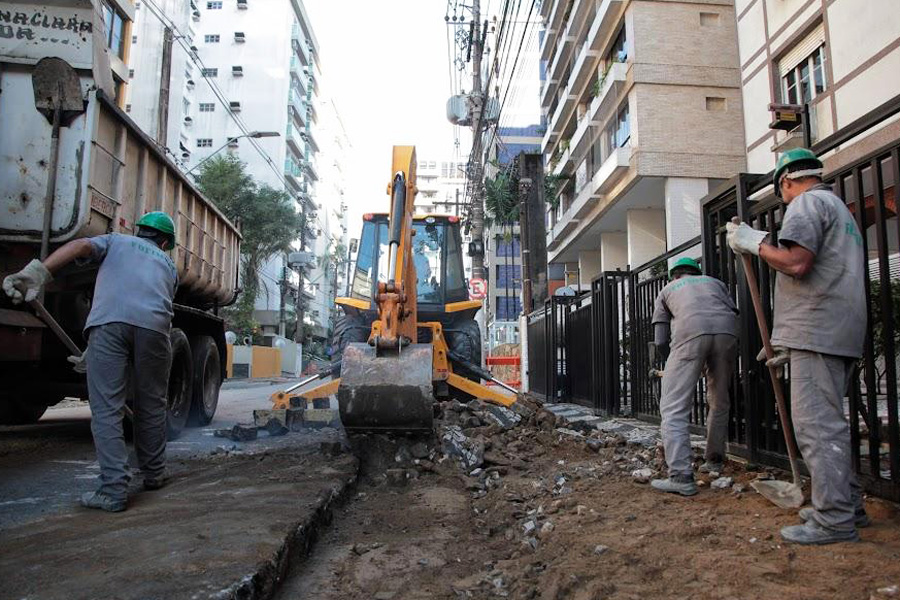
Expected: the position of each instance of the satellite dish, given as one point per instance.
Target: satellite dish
(230, 337)
(567, 291)
(279, 343)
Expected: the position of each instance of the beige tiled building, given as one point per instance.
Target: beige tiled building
(842, 57)
(644, 116)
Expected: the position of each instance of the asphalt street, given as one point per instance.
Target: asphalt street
(45, 467)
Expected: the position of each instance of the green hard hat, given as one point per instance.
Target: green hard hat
(159, 221)
(792, 157)
(688, 263)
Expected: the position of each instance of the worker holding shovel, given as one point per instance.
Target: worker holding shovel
(819, 329)
(699, 316)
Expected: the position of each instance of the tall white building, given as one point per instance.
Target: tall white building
(442, 186)
(326, 280)
(259, 69)
(156, 50)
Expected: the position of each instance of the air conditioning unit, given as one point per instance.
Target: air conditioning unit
(188, 120)
(190, 82)
(196, 15)
(237, 71)
(232, 142)
(194, 49)
(239, 37)
(242, 4)
(235, 105)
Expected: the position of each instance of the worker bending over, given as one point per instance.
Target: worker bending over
(128, 329)
(700, 316)
(819, 328)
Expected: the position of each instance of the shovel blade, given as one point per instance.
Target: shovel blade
(782, 494)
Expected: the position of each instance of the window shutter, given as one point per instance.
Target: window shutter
(802, 49)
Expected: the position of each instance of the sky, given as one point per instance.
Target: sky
(386, 66)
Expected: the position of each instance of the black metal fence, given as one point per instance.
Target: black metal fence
(603, 337)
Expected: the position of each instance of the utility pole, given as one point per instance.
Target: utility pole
(524, 190)
(282, 312)
(165, 78)
(476, 248)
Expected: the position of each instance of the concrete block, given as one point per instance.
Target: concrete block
(321, 403)
(241, 432)
(317, 418)
(261, 418)
(295, 418)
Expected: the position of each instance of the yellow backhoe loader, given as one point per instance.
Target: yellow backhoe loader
(408, 333)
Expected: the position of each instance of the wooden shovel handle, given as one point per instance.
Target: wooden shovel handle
(786, 426)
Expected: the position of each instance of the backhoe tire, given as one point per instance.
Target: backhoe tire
(464, 340)
(207, 379)
(349, 329)
(181, 376)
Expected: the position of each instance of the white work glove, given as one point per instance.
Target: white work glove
(743, 239)
(27, 284)
(780, 358)
(79, 363)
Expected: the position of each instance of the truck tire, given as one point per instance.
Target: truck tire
(181, 376)
(15, 410)
(207, 379)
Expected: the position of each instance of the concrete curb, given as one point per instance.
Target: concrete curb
(298, 543)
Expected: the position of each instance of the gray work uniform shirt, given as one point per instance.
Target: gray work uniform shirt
(824, 311)
(696, 305)
(135, 285)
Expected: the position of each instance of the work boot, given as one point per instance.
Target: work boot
(102, 501)
(811, 533)
(712, 467)
(154, 483)
(676, 484)
(860, 518)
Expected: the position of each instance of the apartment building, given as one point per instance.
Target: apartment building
(840, 58)
(259, 67)
(162, 76)
(442, 186)
(642, 101)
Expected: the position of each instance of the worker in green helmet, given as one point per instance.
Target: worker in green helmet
(695, 316)
(819, 329)
(128, 328)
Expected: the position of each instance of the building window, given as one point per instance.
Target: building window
(508, 308)
(508, 247)
(130, 73)
(716, 104)
(239, 37)
(708, 19)
(128, 108)
(210, 72)
(237, 71)
(115, 29)
(618, 52)
(242, 4)
(508, 276)
(213, 5)
(204, 142)
(211, 38)
(807, 80)
(207, 107)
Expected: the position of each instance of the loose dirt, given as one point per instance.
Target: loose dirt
(557, 514)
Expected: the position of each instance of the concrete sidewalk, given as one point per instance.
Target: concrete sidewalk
(223, 528)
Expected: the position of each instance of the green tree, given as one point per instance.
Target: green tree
(268, 220)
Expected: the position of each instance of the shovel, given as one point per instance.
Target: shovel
(780, 493)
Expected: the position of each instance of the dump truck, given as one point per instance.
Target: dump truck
(74, 165)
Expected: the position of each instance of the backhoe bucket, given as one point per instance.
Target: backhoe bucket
(391, 391)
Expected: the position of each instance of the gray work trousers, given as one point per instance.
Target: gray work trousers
(683, 369)
(818, 385)
(114, 351)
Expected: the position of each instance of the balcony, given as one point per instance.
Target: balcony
(560, 118)
(599, 107)
(604, 22)
(311, 170)
(604, 178)
(555, 23)
(297, 105)
(295, 140)
(301, 48)
(310, 139)
(293, 172)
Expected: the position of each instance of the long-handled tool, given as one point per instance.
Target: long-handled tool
(45, 316)
(781, 493)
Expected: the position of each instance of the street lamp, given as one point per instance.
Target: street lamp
(252, 134)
